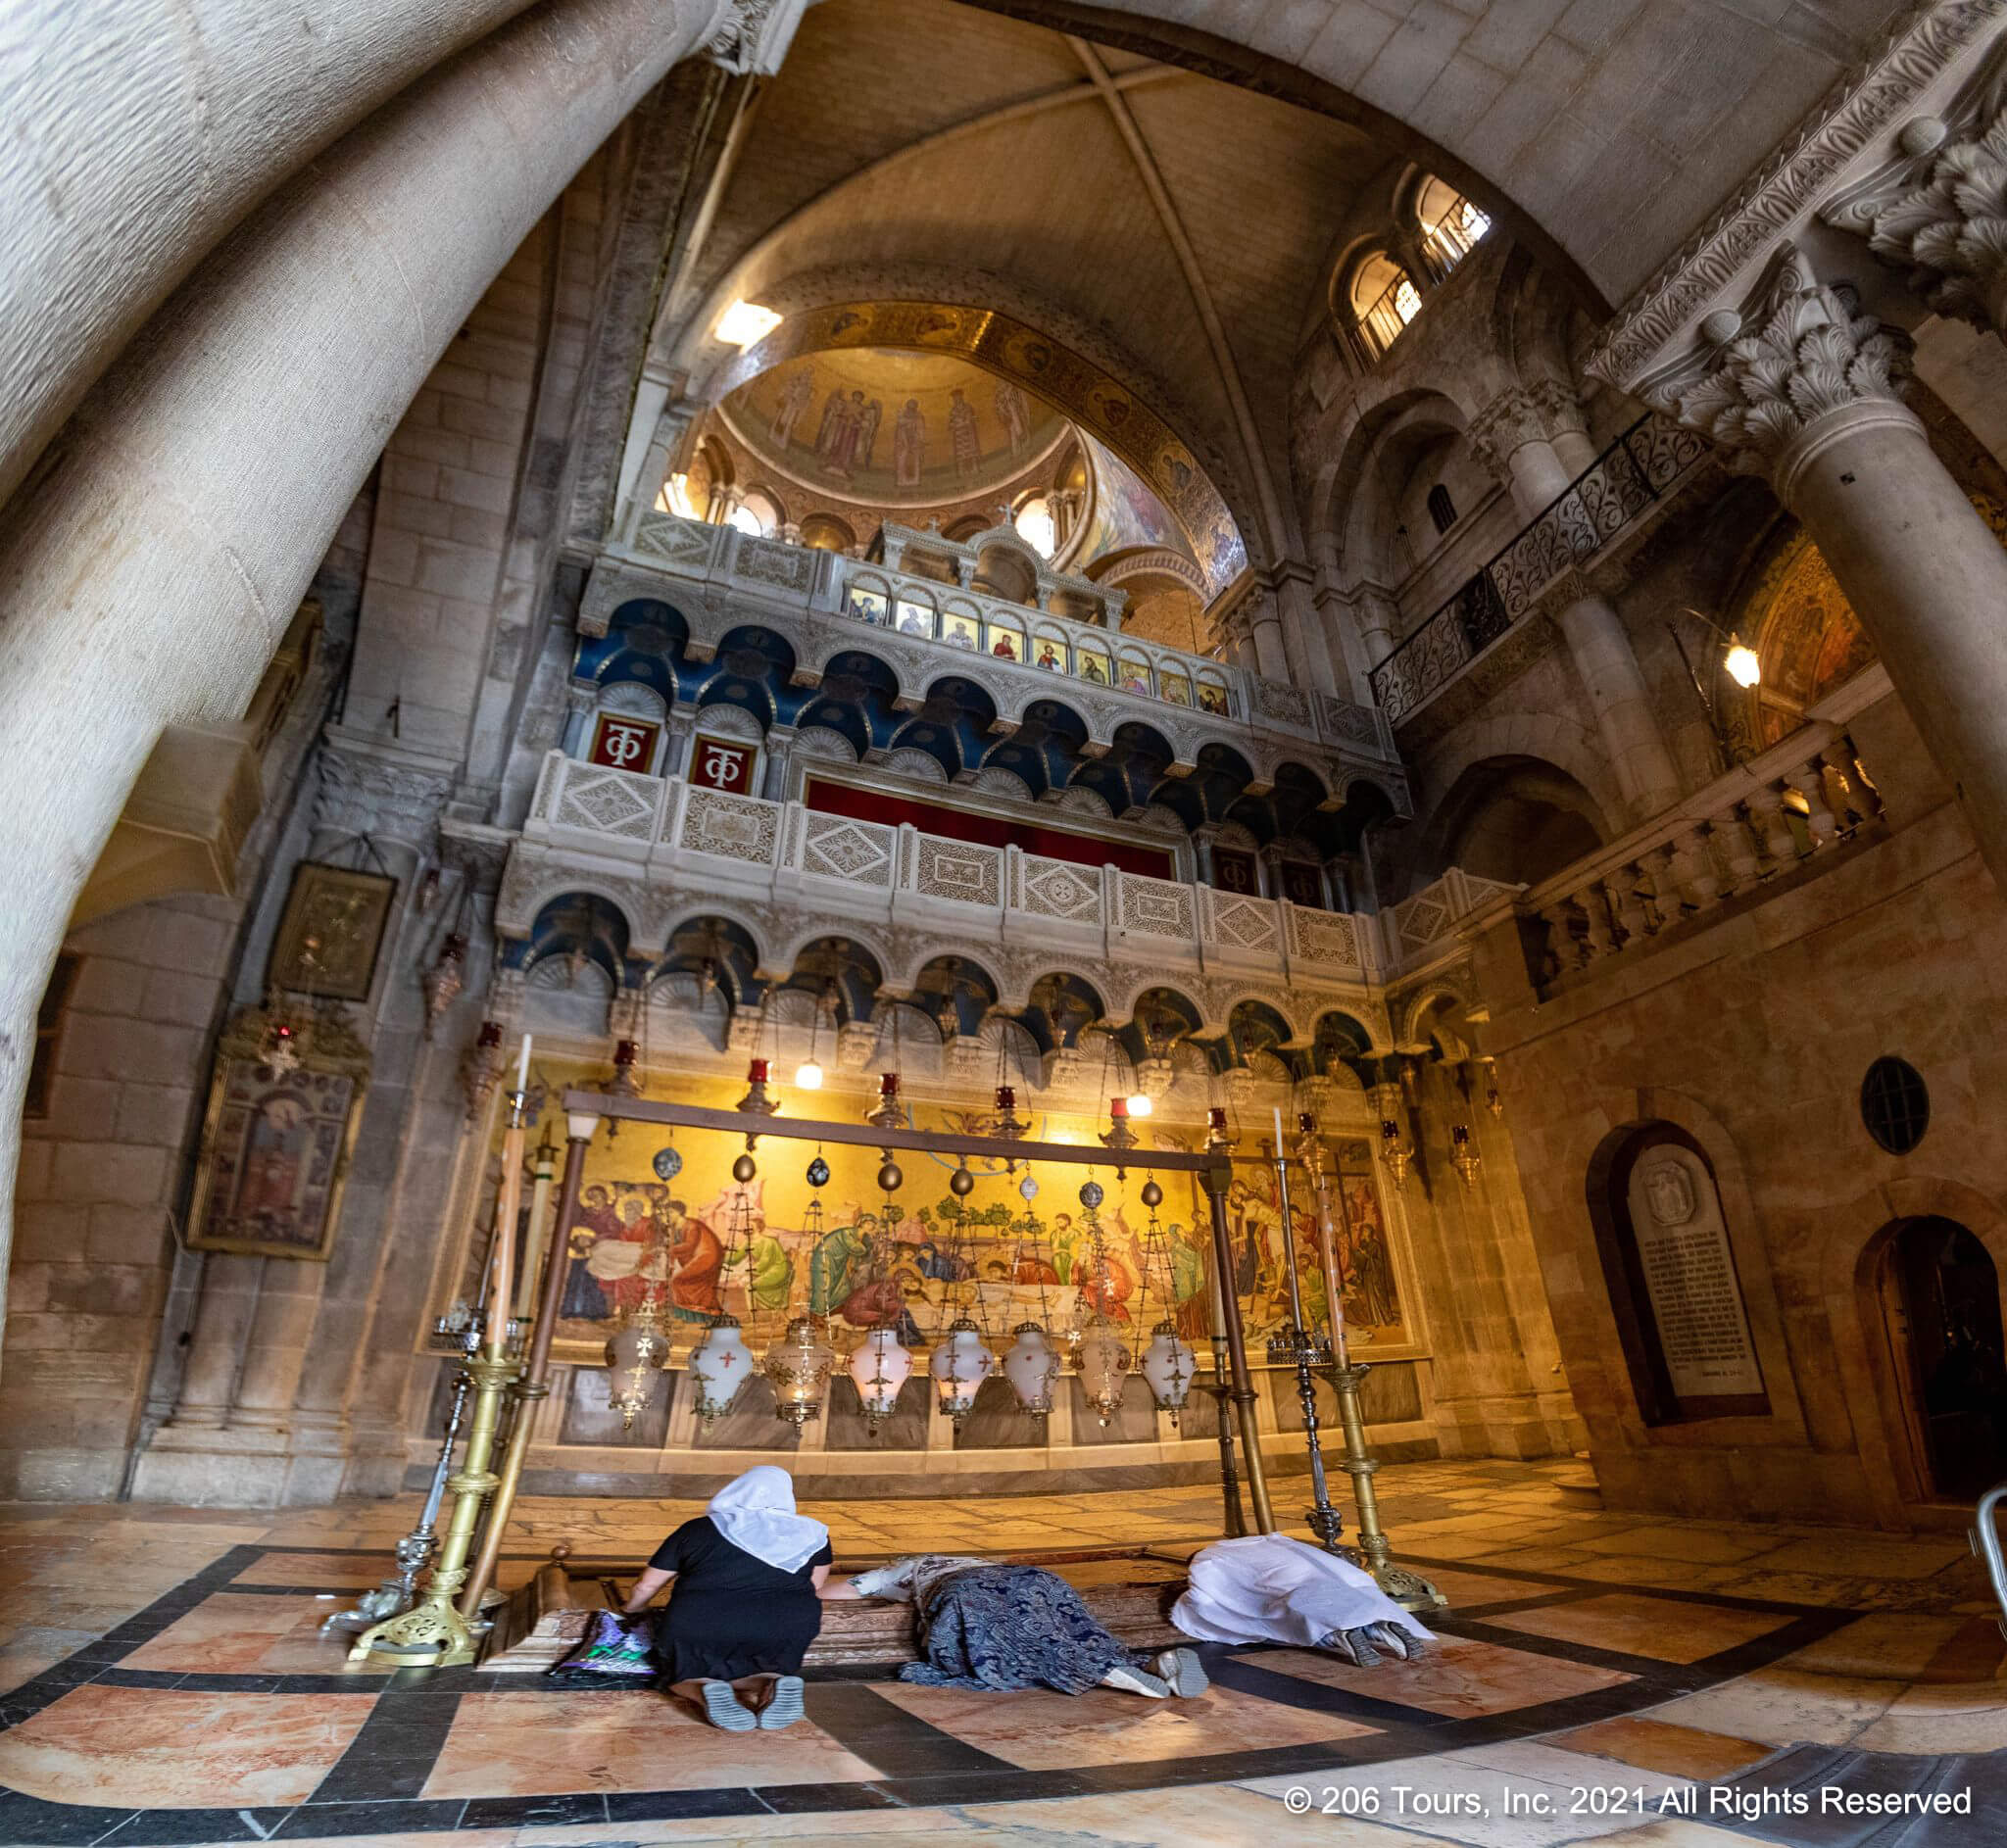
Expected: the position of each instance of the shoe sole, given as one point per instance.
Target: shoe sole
(1184, 1671)
(785, 1708)
(726, 1710)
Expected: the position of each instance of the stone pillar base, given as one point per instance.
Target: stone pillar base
(241, 1469)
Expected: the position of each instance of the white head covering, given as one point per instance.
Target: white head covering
(755, 1512)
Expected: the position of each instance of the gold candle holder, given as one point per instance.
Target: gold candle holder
(433, 1632)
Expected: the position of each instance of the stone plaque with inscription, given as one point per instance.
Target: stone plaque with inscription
(1689, 1278)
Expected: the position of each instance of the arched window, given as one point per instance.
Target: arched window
(1383, 300)
(1450, 223)
(756, 514)
(1036, 526)
(1441, 509)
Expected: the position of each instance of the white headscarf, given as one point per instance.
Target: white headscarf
(755, 1512)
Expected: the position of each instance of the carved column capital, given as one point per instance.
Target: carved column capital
(1509, 423)
(375, 788)
(1940, 213)
(753, 36)
(1800, 350)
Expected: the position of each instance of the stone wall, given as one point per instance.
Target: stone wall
(1753, 1036)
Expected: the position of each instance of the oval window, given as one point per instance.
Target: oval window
(1895, 1104)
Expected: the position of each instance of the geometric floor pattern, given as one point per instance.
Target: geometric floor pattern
(1585, 1700)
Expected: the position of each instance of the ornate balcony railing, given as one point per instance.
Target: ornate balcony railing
(651, 840)
(1782, 812)
(1024, 650)
(1624, 483)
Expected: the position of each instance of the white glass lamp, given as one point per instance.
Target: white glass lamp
(1103, 1361)
(1168, 1366)
(1031, 1366)
(878, 1368)
(720, 1364)
(960, 1365)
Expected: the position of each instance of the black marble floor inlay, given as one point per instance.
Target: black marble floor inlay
(376, 1786)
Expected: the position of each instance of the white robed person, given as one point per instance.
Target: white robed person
(1271, 1588)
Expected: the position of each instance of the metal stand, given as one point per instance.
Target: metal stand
(1298, 1346)
(1406, 1587)
(433, 1634)
(397, 1595)
(1221, 1393)
(1216, 1180)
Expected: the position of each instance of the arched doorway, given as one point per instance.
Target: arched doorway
(1940, 1308)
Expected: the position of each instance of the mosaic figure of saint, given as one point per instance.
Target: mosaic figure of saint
(799, 394)
(836, 1262)
(1013, 413)
(867, 432)
(909, 444)
(964, 437)
(699, 1256)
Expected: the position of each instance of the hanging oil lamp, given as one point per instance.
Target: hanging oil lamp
(1118, 1135)
(960, 1365)
(1031, 1367)
(1104, 1362)
(1463, 1155)
(1168, 1366)
(757, 1100)
(1007, 1126)
(887, 1113)
(1395, 1152)
(720, 1365)
(446, 977)
(625, 1081)
(636, 1355)
(798, 1366)
(1217, 1141)
(879, 1367)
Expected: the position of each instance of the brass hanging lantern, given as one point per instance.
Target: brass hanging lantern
(799, 1365)
(1463, 1154)
(1395, 1152)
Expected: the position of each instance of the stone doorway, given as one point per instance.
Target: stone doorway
(1940, 1291)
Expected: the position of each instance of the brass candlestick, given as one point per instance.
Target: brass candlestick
(1301, 1347)
(433, 1634)
(1405, 1586)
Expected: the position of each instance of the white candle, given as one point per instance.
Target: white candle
(1278, 1135)
(522, 1070)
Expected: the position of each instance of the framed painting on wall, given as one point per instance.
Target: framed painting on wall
(332, 931)
(276, 1139)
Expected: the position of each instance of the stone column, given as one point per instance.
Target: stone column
(140, 134)
(1512, 437)
(1813, 396)
(200, 481)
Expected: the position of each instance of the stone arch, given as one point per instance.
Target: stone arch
(802, 298)
(1862, 1233)
(1562, 744)
(1516, 820)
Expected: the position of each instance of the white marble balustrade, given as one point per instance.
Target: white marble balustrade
(644, 839)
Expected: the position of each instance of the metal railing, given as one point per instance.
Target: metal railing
(1627, 479)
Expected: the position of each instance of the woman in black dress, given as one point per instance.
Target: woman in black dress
(745, 1607)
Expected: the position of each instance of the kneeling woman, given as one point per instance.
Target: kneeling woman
(745, 1606)
(981, 1625)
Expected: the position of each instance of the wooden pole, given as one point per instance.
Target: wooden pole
(536, 1385)
(1216, 1179)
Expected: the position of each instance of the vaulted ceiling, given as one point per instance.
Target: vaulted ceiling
(1186, 221)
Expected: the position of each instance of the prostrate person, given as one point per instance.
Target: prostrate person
(985, 1625)
(745, 1606)
(1271, 1588)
